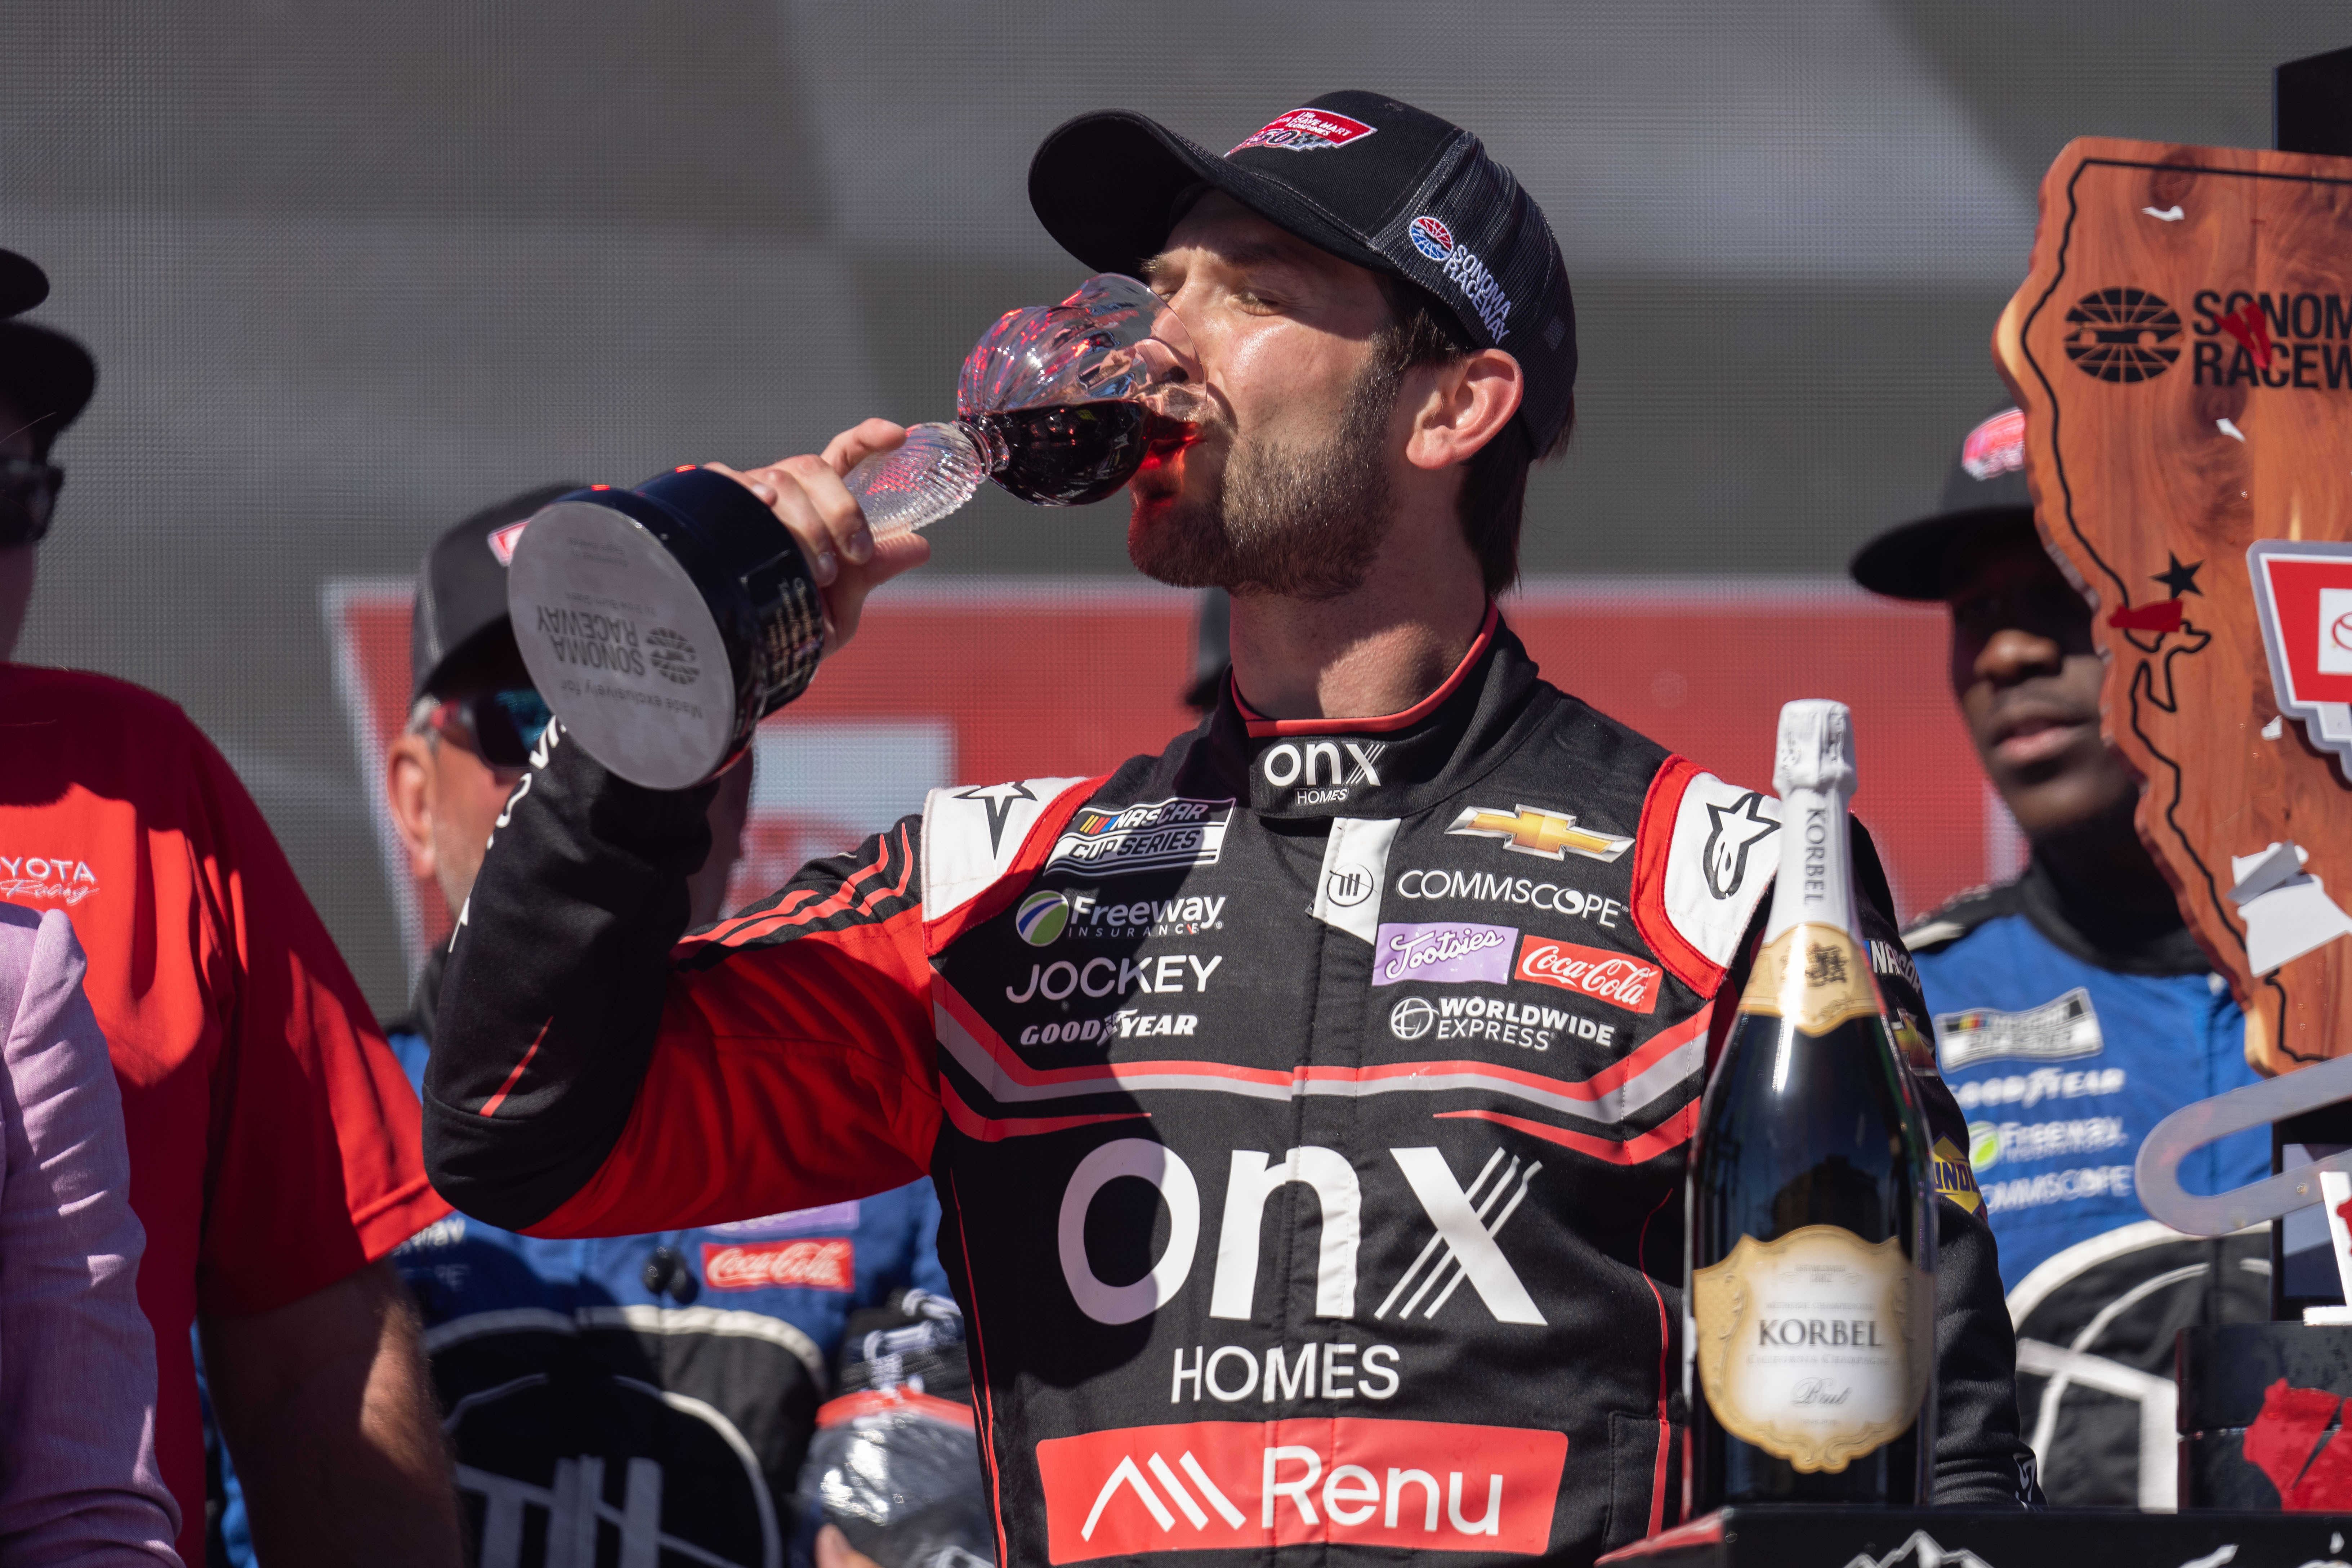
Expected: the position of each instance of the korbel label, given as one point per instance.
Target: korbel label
(1816, 1348)
(1816, 976)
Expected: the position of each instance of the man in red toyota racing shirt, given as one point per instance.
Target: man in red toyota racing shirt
(1309, 1102)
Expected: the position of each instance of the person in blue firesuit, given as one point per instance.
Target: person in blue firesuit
(2071, 1009)
(659, 1392)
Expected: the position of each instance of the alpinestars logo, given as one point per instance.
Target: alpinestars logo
(1532, 830)
(1731, 832)
(998, 799)
(2123, 335)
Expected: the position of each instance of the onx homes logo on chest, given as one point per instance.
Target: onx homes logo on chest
(1319, 768)
(1158, 835)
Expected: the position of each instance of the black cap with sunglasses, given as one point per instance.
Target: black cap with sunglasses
(461, 650)
(46, 380)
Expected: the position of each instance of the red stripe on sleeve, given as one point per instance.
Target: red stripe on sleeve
(490, 1106)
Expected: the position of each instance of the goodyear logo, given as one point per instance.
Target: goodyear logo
(1953, 1177)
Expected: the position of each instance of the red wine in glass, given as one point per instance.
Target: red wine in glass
(1072, 454)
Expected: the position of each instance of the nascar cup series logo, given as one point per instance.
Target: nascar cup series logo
(1154, 836)
(1464, 270)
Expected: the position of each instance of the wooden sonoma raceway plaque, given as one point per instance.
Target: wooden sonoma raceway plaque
(2182, 350)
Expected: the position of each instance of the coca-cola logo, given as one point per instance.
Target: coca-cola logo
(1616, 978)
(818, 1263)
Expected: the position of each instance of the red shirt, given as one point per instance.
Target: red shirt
(274, 1143)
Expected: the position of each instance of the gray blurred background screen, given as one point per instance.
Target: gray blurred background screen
(351, 271)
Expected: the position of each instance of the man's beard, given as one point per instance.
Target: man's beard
(1303, 522)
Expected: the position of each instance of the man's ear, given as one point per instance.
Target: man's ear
(1463, 405)
(408, 790)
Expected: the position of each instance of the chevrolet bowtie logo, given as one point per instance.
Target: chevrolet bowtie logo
(1535, 831)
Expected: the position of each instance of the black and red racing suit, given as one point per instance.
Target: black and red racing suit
(1308, 1105)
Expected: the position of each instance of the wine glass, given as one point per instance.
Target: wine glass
(1058, 404)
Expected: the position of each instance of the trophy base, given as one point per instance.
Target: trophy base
(663, 624)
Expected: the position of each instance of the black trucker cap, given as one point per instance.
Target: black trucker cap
(1986, 489)
(461, 589)
(47, 377)
(1371, 180)
(22, 284)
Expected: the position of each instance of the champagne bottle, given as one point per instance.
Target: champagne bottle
(1809, 1327)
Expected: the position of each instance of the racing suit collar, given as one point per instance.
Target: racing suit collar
(2084, 929)
(1388, 766)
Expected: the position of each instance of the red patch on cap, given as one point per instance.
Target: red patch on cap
(502, 540)
(1307, 131)
(1995, 447)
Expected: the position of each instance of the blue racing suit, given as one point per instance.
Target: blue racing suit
(652, 1394)
(2067, 1034)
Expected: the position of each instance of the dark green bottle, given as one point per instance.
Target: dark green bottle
(1809, 1307)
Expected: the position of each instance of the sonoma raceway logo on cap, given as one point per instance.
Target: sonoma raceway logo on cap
(1464, 270)
(1307, 131)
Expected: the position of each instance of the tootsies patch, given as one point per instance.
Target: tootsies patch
(1207, 1486)
(1447, 951)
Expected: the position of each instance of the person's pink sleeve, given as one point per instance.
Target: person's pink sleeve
(78, 1481)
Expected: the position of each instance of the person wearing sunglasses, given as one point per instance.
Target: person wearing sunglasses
(665, 1358)
(274, 1158)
